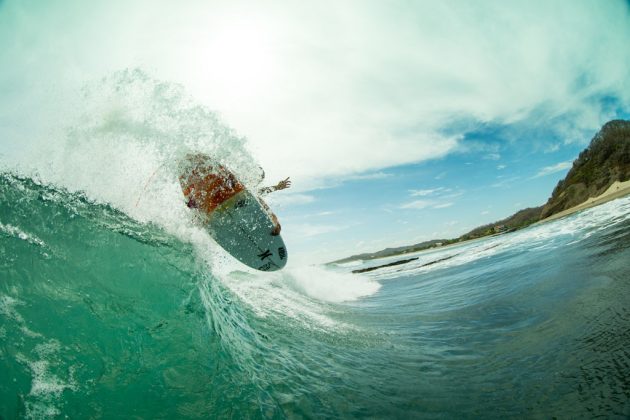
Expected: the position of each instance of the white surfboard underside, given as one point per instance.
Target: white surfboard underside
(243, 228)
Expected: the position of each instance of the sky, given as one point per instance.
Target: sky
(397, 121)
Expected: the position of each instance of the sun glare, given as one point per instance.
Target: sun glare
(238, 59)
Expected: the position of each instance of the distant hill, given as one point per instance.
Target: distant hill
(605, 161)
(518, 220)
(388, 252)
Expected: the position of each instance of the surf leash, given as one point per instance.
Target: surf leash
(147, 184)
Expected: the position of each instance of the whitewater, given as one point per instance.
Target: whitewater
(114, 304)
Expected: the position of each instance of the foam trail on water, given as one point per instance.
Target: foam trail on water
(547, 236)
(330, 286)
(15, 231)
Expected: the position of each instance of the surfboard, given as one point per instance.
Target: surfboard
(234, 218)
(244, 229)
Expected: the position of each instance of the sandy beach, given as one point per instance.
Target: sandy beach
(616, 190)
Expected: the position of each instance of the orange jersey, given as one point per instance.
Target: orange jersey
(207, 187)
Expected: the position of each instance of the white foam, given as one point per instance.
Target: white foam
(350, 264)
(16, 232)
(300, 294)
(330, 286)
(46, 387)
(267, 295)
(28, 332)
(43, 383)
(121, 139)
(578, 227)
(120, 142)
(7, 308)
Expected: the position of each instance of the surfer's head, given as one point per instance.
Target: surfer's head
(198, 158)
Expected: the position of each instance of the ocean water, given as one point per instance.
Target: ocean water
(102, 316)
(114, 305)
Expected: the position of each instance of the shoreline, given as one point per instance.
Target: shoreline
(616, 190)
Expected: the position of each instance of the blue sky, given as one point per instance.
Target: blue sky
(397, 121)
(491, 177)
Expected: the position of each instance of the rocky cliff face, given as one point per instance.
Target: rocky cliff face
(606, 160)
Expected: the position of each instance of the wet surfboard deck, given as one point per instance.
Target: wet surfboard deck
(242, 227)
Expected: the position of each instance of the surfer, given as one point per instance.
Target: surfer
(285, 183)
(207, 184)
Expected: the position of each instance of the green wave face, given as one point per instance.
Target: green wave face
(103, 316)
(100, 315)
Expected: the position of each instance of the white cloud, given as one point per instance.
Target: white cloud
(454, 194)
(417, 204)
(439, 194)
(552, 148)
(368, 176)
(325, 213)
(334, 88)
(505, 183)
(309, 230)
(501, 167)
(558, 167)
(423, 204)
(288, 199)
(427, 192)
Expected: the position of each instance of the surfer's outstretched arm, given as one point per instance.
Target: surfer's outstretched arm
(285, 183)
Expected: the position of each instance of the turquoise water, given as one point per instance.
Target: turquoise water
(114, 305)
(102, 316)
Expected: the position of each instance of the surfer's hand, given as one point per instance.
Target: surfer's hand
(285, 183)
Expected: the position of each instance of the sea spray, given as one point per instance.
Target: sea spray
(116, 291)
(330, 286)
(125, 129)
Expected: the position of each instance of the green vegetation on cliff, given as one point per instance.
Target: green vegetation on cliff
(605, 161)
(519, 220)
(388, 252)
